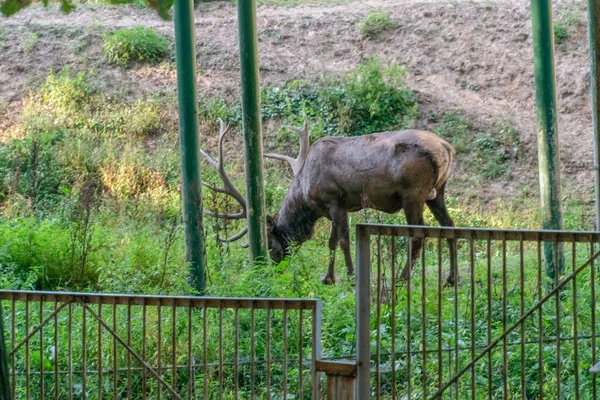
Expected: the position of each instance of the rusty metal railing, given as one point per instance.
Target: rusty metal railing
(503, 331)
(78, 345)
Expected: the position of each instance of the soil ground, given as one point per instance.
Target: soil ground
(474, 56)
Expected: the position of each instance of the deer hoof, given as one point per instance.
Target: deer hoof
(328, 280)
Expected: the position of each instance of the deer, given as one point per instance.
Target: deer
(385, 171)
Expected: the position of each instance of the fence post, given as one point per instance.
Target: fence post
(340, 379)
(251, 124)
(547, 127)
(594, 32)
(363, 313)
(4, 384)
(189, 143)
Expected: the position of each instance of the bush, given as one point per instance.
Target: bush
(368, 99)
(376, 22)
(138, 44)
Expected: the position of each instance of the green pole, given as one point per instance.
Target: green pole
(594, 31)
(251, 123)
(4, 384)
(547, 129)
(188, 138)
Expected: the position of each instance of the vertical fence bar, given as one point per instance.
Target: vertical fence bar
(251, 123)
(83, 353)
(575, 322)
(4, 381)
(174, 344)
(472, 283)
(456, 358)
(284, 379)
(594, 33)
(268, 351)
(593, 300)
(547, 117)
(159, 349)
(221, 351)
(363, 311)
(27, 371)
(378, 327)
(424, 316)
(114, 351)
(522, 306)
(188, 135)
(99, 362)
(41, 351)
(300, 355)
(439, 318)
(56, 351)
(393, 319)
(540, 289)
(190, 357)
(237, 351)
(129, 392)
(205, 350)
(489, 313)
(504, 322)
(12, 342)
(70, 351)
(558, 327)
(252, 351)
(144, 345)
(408, 317)
(316, 349)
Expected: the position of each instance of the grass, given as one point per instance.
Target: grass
(124, 46)
(489, 153)
(376, 22)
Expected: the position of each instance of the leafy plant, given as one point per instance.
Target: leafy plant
(374, 23)
(560, 32)
(137, 44)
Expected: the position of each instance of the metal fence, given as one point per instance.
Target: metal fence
(505, 330)
(93, 346)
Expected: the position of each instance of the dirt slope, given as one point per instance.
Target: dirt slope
(475, 56)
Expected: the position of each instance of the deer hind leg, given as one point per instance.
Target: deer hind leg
(333, 243)
(440, 212)
(414, 216)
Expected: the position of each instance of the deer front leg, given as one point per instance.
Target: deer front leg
(333, 242)
(414, 216)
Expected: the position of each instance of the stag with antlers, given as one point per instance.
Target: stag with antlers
(386, 171)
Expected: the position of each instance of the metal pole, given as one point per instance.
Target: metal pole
(188, 137)
(251, 122)
(549, 167)
(4, 384)
(594, 31)
(363, 314)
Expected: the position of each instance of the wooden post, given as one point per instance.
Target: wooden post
(341, 379)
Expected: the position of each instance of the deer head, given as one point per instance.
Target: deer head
(277, 243)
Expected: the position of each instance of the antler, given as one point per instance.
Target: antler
(296, 163)
(228, 187)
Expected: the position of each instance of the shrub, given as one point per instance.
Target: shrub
(375, 22)
(369, 98)
(138, 44)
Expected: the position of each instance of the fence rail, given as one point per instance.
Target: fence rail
(81, 345)
(505, 330)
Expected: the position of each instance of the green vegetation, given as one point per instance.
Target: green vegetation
(367, 99)
(138, 44)
(375, 22)
(488, 153)
(30, 43)
(563, 27)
